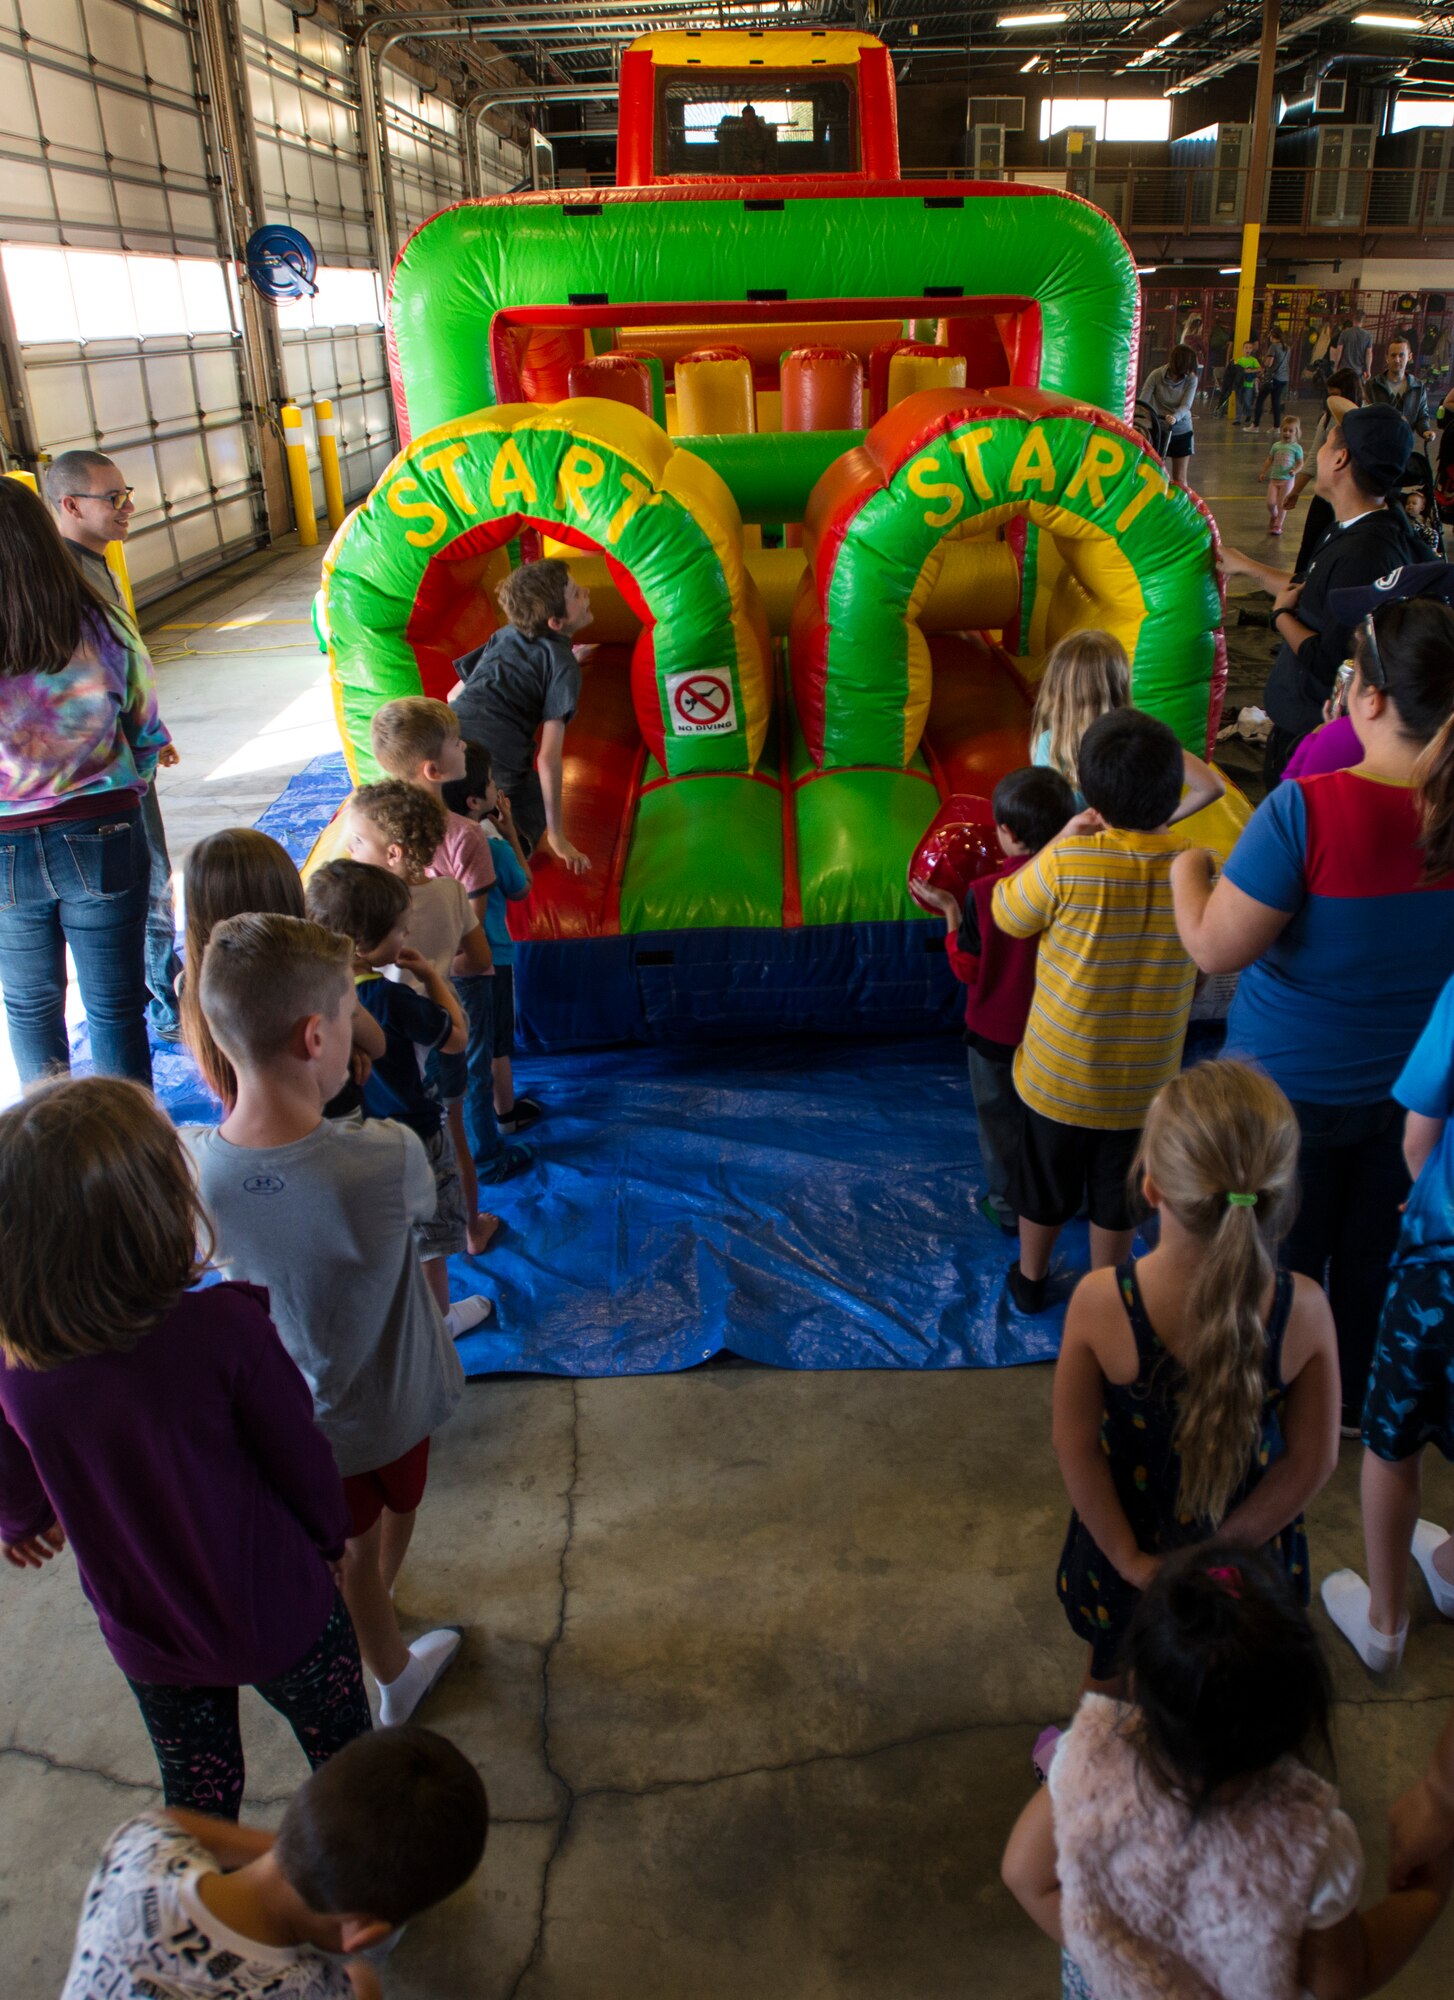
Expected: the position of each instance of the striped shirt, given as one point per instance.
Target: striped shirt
(1113, 983)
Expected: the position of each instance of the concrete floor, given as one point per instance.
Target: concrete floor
(753, 1661)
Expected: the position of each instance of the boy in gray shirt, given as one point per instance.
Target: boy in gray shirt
(321, 1211)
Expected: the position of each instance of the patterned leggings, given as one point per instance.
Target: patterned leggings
(194, 1730)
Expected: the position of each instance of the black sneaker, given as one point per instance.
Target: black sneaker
(509, 1161)
(1028, 1293)
(522, 1114)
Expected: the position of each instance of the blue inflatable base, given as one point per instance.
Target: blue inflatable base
(691, 987)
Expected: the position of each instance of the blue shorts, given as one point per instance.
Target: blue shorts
(1410, 1400)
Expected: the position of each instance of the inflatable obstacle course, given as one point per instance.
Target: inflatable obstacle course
(807, 634)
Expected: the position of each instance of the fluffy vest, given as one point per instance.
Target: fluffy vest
(1158, 1906)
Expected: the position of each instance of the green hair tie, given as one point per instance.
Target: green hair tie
(1241, 1201)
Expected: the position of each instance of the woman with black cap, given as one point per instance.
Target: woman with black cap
(1361, 462)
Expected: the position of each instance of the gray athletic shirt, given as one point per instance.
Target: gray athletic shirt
(325, 1225)
(1357, 346)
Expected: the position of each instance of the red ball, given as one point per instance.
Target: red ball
(960, 845)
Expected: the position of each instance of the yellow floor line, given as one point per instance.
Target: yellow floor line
(228, 624)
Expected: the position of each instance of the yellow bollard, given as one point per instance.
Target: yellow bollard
(115, 551)
(326, 425)
(304, 517)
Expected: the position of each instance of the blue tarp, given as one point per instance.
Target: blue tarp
(807, 1206)
(807, 1203)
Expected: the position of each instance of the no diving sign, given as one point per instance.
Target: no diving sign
(700, 704)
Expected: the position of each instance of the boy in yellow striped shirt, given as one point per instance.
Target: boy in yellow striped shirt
(1113, 988)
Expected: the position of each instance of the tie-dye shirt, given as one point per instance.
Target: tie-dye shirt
(90, 731)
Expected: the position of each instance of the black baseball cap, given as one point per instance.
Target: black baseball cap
(1378, 440)
(1430, 579)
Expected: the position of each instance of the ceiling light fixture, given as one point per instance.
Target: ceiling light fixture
(1030, 20)
(1230, 271)
(1167, 40)
(1145, 270)
(1406, 21)
(1034, 63)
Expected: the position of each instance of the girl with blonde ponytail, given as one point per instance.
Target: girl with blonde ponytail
(1197, 1388)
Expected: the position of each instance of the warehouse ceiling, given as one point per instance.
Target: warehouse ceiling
(1157, 45)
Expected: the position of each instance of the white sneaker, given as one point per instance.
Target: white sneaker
(1346, 1599)
(429, 1659)
(466, 1314)
(1428, 1536)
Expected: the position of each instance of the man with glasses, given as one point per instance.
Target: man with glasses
(1360, 462)
(93, 506)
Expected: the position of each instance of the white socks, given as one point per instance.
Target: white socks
(429, 1657)
(466, 1314)
(1346, 1598)
(1428, 1536)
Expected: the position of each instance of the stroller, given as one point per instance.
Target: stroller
(1423, 522)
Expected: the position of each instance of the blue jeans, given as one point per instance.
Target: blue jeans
(481, 1129)
(81, 883)
(1246, 403)
(162, 963)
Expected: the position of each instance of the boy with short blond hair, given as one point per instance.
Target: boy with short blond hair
(321, 1212)
(399, 827)
(525, 682)
(418, 740)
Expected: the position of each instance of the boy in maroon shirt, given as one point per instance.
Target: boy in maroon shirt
(1030, 807)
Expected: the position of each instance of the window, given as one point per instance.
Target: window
(79, 295)
(1114, 118)
(1411, 111)
(345, 298)
(750, 123)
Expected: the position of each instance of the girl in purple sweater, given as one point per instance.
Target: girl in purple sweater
(166, 1435)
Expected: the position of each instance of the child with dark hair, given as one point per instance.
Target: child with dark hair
(1182, 1844)
(372, 907)
(394, 1824)
(1113, 988)
(523, 682)
(1030, 807)
(479, 798)
(164, 1432)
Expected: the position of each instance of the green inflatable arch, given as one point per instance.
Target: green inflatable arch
(590, 472)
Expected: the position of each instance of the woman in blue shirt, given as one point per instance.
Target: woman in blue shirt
(1343, 940)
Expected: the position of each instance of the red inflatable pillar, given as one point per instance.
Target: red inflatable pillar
(822, 390)
(619, 378)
